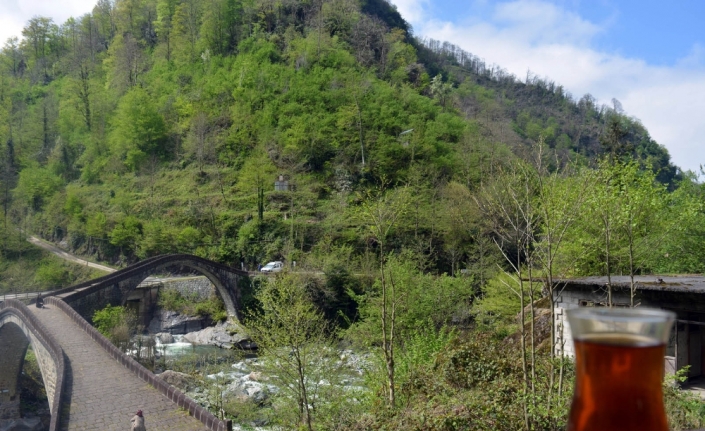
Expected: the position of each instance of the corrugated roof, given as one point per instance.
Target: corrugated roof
(677, 283)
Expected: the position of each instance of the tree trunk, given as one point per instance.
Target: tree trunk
(632, 287)
(607, 265)
(304, 405)
(387, 337)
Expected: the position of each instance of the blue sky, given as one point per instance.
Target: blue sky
(658, 32)
(650, 55)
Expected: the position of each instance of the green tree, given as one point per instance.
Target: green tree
(257, 175)
(38, 35)
(8, 177)
(642, 201)
(292, 335)
(624, 222)
(380, 216)
(164, 23)
(139, 131)
(683, 248)
(117, 324)
(510, 208)
(126, 234)
(186, 24)
(35, 186)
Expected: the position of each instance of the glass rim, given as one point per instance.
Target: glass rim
(622, 314)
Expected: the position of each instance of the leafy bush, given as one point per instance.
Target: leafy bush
(171, 299)
(52, 273)
(500, 303)
(685, 410)
(191, 305)
(212, 307)
(478, 361)
(417, 356)
(117, 324)
(471, 381)
(109, 318)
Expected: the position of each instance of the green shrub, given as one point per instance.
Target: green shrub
(417, 356)
(478, 361)
(685, 410)
(52, 273)
(173, 300)
(116, 323)
(212, 307)
(191, 305)
(109, 318)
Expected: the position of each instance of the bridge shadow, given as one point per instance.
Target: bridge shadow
(67, 394)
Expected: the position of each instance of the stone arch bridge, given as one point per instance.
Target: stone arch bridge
(115, 288)
(92, 385)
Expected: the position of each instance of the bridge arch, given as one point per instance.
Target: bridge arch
(224, 285)
(114, 288)
(18, 329)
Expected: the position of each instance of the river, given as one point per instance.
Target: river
(235, 383)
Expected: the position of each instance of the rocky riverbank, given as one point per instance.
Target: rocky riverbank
(226, 335)
(212, 373)
(245, 384)
(198, 331)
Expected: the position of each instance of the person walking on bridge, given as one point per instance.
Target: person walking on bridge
(138, 422)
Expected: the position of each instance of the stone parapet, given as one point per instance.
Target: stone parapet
(49, 354)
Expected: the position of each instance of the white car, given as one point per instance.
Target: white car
(273, 267)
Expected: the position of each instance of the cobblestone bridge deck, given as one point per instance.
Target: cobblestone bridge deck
(101, 394)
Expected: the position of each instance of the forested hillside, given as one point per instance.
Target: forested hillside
(149, 127)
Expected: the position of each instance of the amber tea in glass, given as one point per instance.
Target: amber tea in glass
(619, 367)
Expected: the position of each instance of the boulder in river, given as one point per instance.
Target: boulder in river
(245, 390)
(225, 335)
(164, 337)
(180, 381)
(175, 323)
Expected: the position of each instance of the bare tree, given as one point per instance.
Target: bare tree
(292, 335)
(560, 200)
(199, 137)
(380, 215)
(508, 204)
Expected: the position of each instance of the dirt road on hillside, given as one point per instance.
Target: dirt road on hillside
(67, 256)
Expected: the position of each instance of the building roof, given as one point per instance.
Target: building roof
(668, 283)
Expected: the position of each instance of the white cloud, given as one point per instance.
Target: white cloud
(542, 22)
(411, 10)
(14, 14)
(555, 43)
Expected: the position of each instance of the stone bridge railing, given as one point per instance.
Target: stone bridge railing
(176, 396)
(49, 355)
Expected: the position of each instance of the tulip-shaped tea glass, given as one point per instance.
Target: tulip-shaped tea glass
(619, 367)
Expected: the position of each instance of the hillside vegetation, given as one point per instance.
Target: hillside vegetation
(425, 184)
(149, 127)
